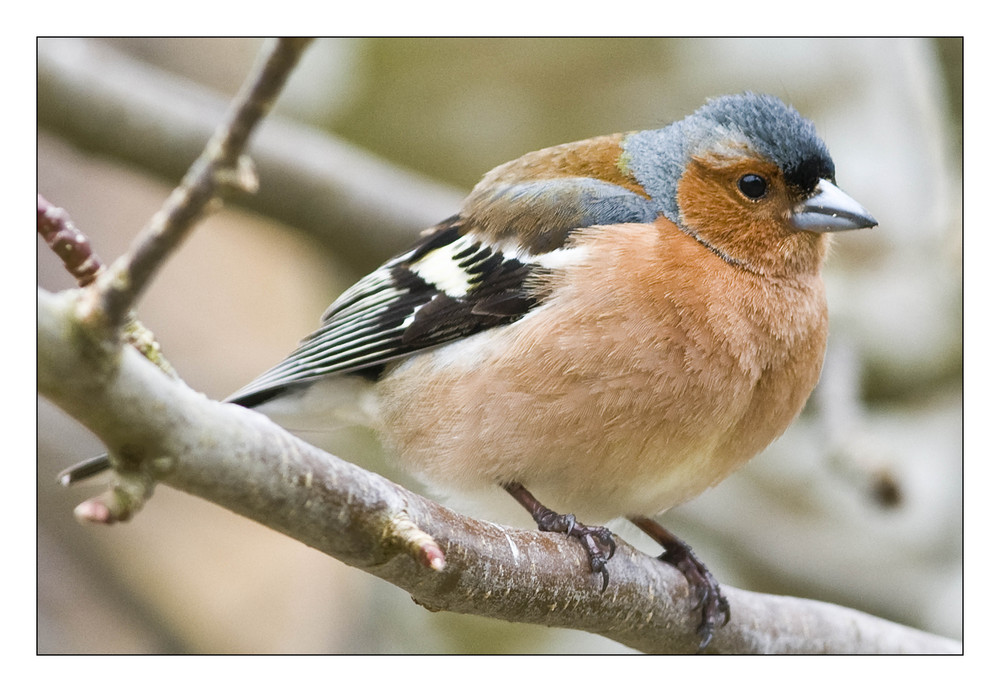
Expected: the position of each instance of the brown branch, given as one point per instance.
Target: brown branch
(220, 166)
(240, 460)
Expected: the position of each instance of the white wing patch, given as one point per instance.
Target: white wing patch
(439, 268)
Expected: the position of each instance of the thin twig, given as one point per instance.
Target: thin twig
(70, 245)
(221, 166)
(73, 247)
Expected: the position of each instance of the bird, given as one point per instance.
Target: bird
(606, 328)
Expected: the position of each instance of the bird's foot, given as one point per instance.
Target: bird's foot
(714, 606)
(709, 599)
(597, 541)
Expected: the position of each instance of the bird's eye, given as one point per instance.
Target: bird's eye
(752, 186)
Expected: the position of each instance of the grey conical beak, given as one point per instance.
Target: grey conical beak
(831, 209)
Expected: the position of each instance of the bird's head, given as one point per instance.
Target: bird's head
(748, 177)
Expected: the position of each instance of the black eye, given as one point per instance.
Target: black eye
(753, 186)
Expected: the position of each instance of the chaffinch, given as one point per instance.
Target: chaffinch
(616, 324)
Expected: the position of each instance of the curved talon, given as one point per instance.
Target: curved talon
(590, 537)
(571, 520)
(706, 636)
(603, 536)
(604, 575)
(710, 617)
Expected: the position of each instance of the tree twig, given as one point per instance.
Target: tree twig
(69, 244)
(73, 247)
(220, 166)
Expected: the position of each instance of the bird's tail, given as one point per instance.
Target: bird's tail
(84, 469)
(325, 405)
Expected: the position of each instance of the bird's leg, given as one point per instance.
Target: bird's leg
(714, 606)
(597, 540)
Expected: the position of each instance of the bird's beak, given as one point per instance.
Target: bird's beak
(831, 209)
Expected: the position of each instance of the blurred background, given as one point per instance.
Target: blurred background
(859, 503)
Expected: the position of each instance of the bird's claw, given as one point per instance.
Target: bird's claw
(597, 541)
(709, 600)
(714, 608)
(600, 547)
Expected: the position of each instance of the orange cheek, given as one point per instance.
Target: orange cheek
(756, 234)
(706, 211)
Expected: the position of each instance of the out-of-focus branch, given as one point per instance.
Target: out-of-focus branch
(364, 208)
(240, 460)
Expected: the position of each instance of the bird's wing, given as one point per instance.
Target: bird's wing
(455, 282)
